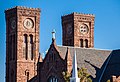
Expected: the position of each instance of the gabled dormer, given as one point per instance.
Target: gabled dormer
(53, 64)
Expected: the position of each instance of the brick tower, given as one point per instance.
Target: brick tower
(22, 43)
(78, 30)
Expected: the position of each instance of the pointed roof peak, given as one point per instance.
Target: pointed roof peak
(40, 58)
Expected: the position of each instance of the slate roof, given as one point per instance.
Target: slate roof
(113, 66)
(92, 59)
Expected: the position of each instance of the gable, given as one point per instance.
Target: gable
(53, 55)
(53, 64)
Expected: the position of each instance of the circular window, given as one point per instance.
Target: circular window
(84, 29)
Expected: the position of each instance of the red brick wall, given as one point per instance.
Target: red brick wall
(75, 20)
(19, 65)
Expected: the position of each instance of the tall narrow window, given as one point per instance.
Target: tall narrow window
(13, 43)
(86, 43)
(31, 47)
(81, 42)
(25, 47)
(12, 76)
(53, 57)
(10, 47)
(27, 76)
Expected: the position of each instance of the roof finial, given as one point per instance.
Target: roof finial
(53, 34)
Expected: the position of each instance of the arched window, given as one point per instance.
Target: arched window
(52, 79)
(27, 75)
(31, 47)
(86, 43)
(25, 47)
(81, 42)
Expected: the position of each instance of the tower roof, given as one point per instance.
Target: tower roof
(22, 7)
(77, 13)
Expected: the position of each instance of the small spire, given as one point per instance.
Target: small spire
(74, 74)
(53, 34)
(74, 77)
(40, 58)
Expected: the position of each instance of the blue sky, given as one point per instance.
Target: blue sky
(107, 22)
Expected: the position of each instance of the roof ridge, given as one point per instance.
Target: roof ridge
(84, 48)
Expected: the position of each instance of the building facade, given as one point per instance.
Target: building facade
(22, 43)
(78, 30)
(25, 64)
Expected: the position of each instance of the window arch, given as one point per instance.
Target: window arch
(25, 47)
(86, 43)
(81, 42)
(53, 79)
